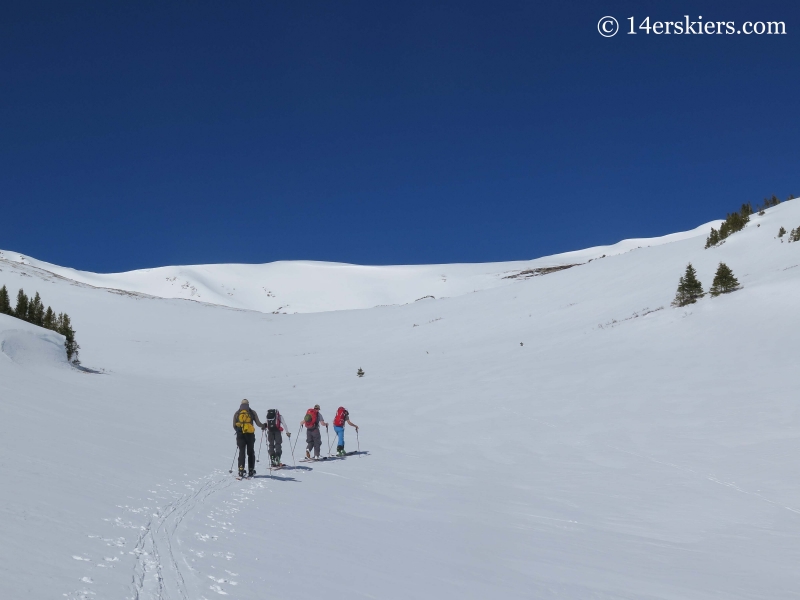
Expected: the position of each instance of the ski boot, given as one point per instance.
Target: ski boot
(340, 451)
(251, 472)
(241, 473)
(308, 454)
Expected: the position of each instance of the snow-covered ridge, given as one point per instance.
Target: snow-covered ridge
(310, 286)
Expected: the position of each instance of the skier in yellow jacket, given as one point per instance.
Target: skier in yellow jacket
(243, 424)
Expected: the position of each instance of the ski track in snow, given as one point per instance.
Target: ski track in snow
(161, 569)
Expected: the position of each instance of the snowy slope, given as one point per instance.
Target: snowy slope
(307, 286)
(616, 454)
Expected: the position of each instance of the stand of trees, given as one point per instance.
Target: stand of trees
(33, 311)
(690, 289)
(736, 221)
(733, 222)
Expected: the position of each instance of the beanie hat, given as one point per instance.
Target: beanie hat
(246, 401)
(316, 407)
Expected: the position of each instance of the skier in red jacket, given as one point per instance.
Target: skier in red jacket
(342, 417)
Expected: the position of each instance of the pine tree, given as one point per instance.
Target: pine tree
(724, 281)
(21, 310)
(795, 235)
(70, 345)
(5, 302)
(50, 320)
(36, 311)
(791, 197)
(689, 288)
(781, 232)
(775, 200)
(713, 238)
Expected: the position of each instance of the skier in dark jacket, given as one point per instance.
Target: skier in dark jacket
(274, 427)
(243, 424)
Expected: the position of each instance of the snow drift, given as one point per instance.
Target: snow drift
(31, 346)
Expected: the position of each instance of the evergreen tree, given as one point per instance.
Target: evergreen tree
(5, 302)
(36, 310)
(795, 235)
(713, 238)
(50, 320)
(724, 281)
(775, 200)
(791, 197)
(21, 310)
(70, 345)
(689, 288)
(781, 232)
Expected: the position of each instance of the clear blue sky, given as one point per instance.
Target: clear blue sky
(142, 134)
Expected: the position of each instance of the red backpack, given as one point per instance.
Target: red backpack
(341, 417)
(310, 420)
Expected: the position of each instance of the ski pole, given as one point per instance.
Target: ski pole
(259, 446)
(359, 444)
(292, 447)
(328, 433)
(297, 438)
(234, 458)
(329, 445)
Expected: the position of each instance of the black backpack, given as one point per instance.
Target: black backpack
(272, 418)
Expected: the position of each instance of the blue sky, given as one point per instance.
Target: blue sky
(151, 133)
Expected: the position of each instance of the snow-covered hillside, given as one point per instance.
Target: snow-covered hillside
(562, 436)
(307, 286)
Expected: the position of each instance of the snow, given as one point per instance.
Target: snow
(290, 287)
(627, 450)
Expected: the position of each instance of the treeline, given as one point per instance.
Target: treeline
(770, 202)
(33, 311)
(736, 221)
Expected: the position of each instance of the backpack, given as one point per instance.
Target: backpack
(246, 421)
(341, 417)
(272, 418)
(310, 420)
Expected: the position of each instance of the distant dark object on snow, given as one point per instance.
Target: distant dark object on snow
(360, 372)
